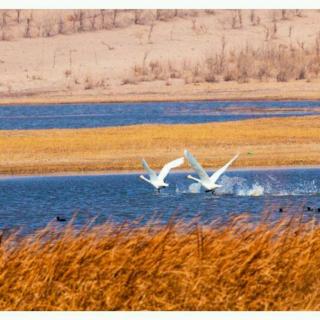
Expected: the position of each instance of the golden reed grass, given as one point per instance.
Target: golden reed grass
(261, 142)
(238, 266)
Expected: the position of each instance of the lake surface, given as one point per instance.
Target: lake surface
(120, 114)
(32, 202)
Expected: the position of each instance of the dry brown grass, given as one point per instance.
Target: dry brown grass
(173, 267)
(15, 24)
(269, 62)
(263, 142)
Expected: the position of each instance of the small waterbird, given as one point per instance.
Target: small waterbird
(209, 183)
(158, 180)
(60, 219)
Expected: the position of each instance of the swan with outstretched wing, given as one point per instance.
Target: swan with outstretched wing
(209, 183)
(158, 181)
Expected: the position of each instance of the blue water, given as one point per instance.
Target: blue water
(119, 114)
(32, 202)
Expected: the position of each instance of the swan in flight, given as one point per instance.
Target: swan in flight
(209, 183)
(158, 180)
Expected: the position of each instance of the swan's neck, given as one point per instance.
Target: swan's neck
(145, 179)
(193, 178)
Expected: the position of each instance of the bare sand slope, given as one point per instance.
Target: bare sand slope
(262, 142)
(128, 59)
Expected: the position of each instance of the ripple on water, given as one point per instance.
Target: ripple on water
(32, 202)
(120, 114)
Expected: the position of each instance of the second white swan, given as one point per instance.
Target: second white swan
(209, 183)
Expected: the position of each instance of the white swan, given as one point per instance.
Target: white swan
(158, 180)
(209, 183)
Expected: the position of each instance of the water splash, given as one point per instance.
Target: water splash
(230, 185)
(255, 191)
(255, 187)
(195, 187)
(192, 188)
(238, 186)
(302, 188)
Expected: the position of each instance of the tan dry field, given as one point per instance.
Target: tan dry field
(124, 55)
(264, 142)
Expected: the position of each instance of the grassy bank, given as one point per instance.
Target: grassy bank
(263, 142)
(173, 267)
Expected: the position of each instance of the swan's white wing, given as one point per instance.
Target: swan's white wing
(219, 172)
(150, 172)
(196, 166)
(173, 164)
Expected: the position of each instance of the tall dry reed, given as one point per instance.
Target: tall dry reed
(238, 266)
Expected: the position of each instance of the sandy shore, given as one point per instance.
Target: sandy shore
(147, 92)
(262, 143)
